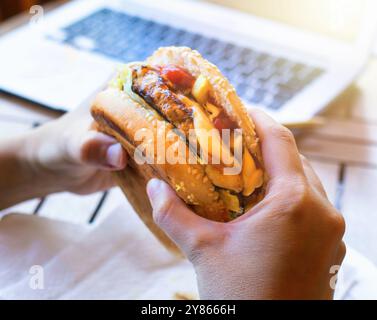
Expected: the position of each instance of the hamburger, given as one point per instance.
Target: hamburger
(209, 154)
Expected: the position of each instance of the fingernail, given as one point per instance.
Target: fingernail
(154, 187)
(114, 155)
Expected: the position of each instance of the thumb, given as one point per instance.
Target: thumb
(100, 150)
(182, 225)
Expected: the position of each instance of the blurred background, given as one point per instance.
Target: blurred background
(326, 16)
(336, 18)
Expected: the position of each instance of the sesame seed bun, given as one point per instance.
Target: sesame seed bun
(118, 115)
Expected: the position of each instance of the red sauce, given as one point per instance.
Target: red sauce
(179, 77)
(222, 121)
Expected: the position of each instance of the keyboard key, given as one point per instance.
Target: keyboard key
(255, 83)
(275, 104)
(279, 63)
(298, 67)
(258, 96)
(315, 73)
(241, 89)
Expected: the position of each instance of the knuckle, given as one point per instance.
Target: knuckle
(304, 160)
(338, 225)
(84, 152)
(282, 133)
(301, 200)
(86, 147)
(298, 194)
(342, 251)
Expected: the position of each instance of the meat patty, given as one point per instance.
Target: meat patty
(148, 84)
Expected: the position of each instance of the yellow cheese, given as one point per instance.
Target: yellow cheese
(209, 139)
(231, 201)
(248, 170)
(201, 89)
(231, 182)
(212, 110)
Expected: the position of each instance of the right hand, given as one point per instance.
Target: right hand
(283, 248)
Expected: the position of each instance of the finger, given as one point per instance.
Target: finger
(100, 150)
(94, 126)
(312, 177)
(280, 154)
(101, 181)
(341, 253)
(172, 215)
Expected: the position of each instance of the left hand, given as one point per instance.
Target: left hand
(62, 155)
(70, 156)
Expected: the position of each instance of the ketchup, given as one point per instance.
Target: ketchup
(179, 77)
(222, 121)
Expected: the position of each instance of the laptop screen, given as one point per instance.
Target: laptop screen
(340, 19)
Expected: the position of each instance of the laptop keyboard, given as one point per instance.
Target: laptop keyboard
(259, 77)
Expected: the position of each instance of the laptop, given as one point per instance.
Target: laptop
(288, 57)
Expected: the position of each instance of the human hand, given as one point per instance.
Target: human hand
(68, 155)
(283, 248)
